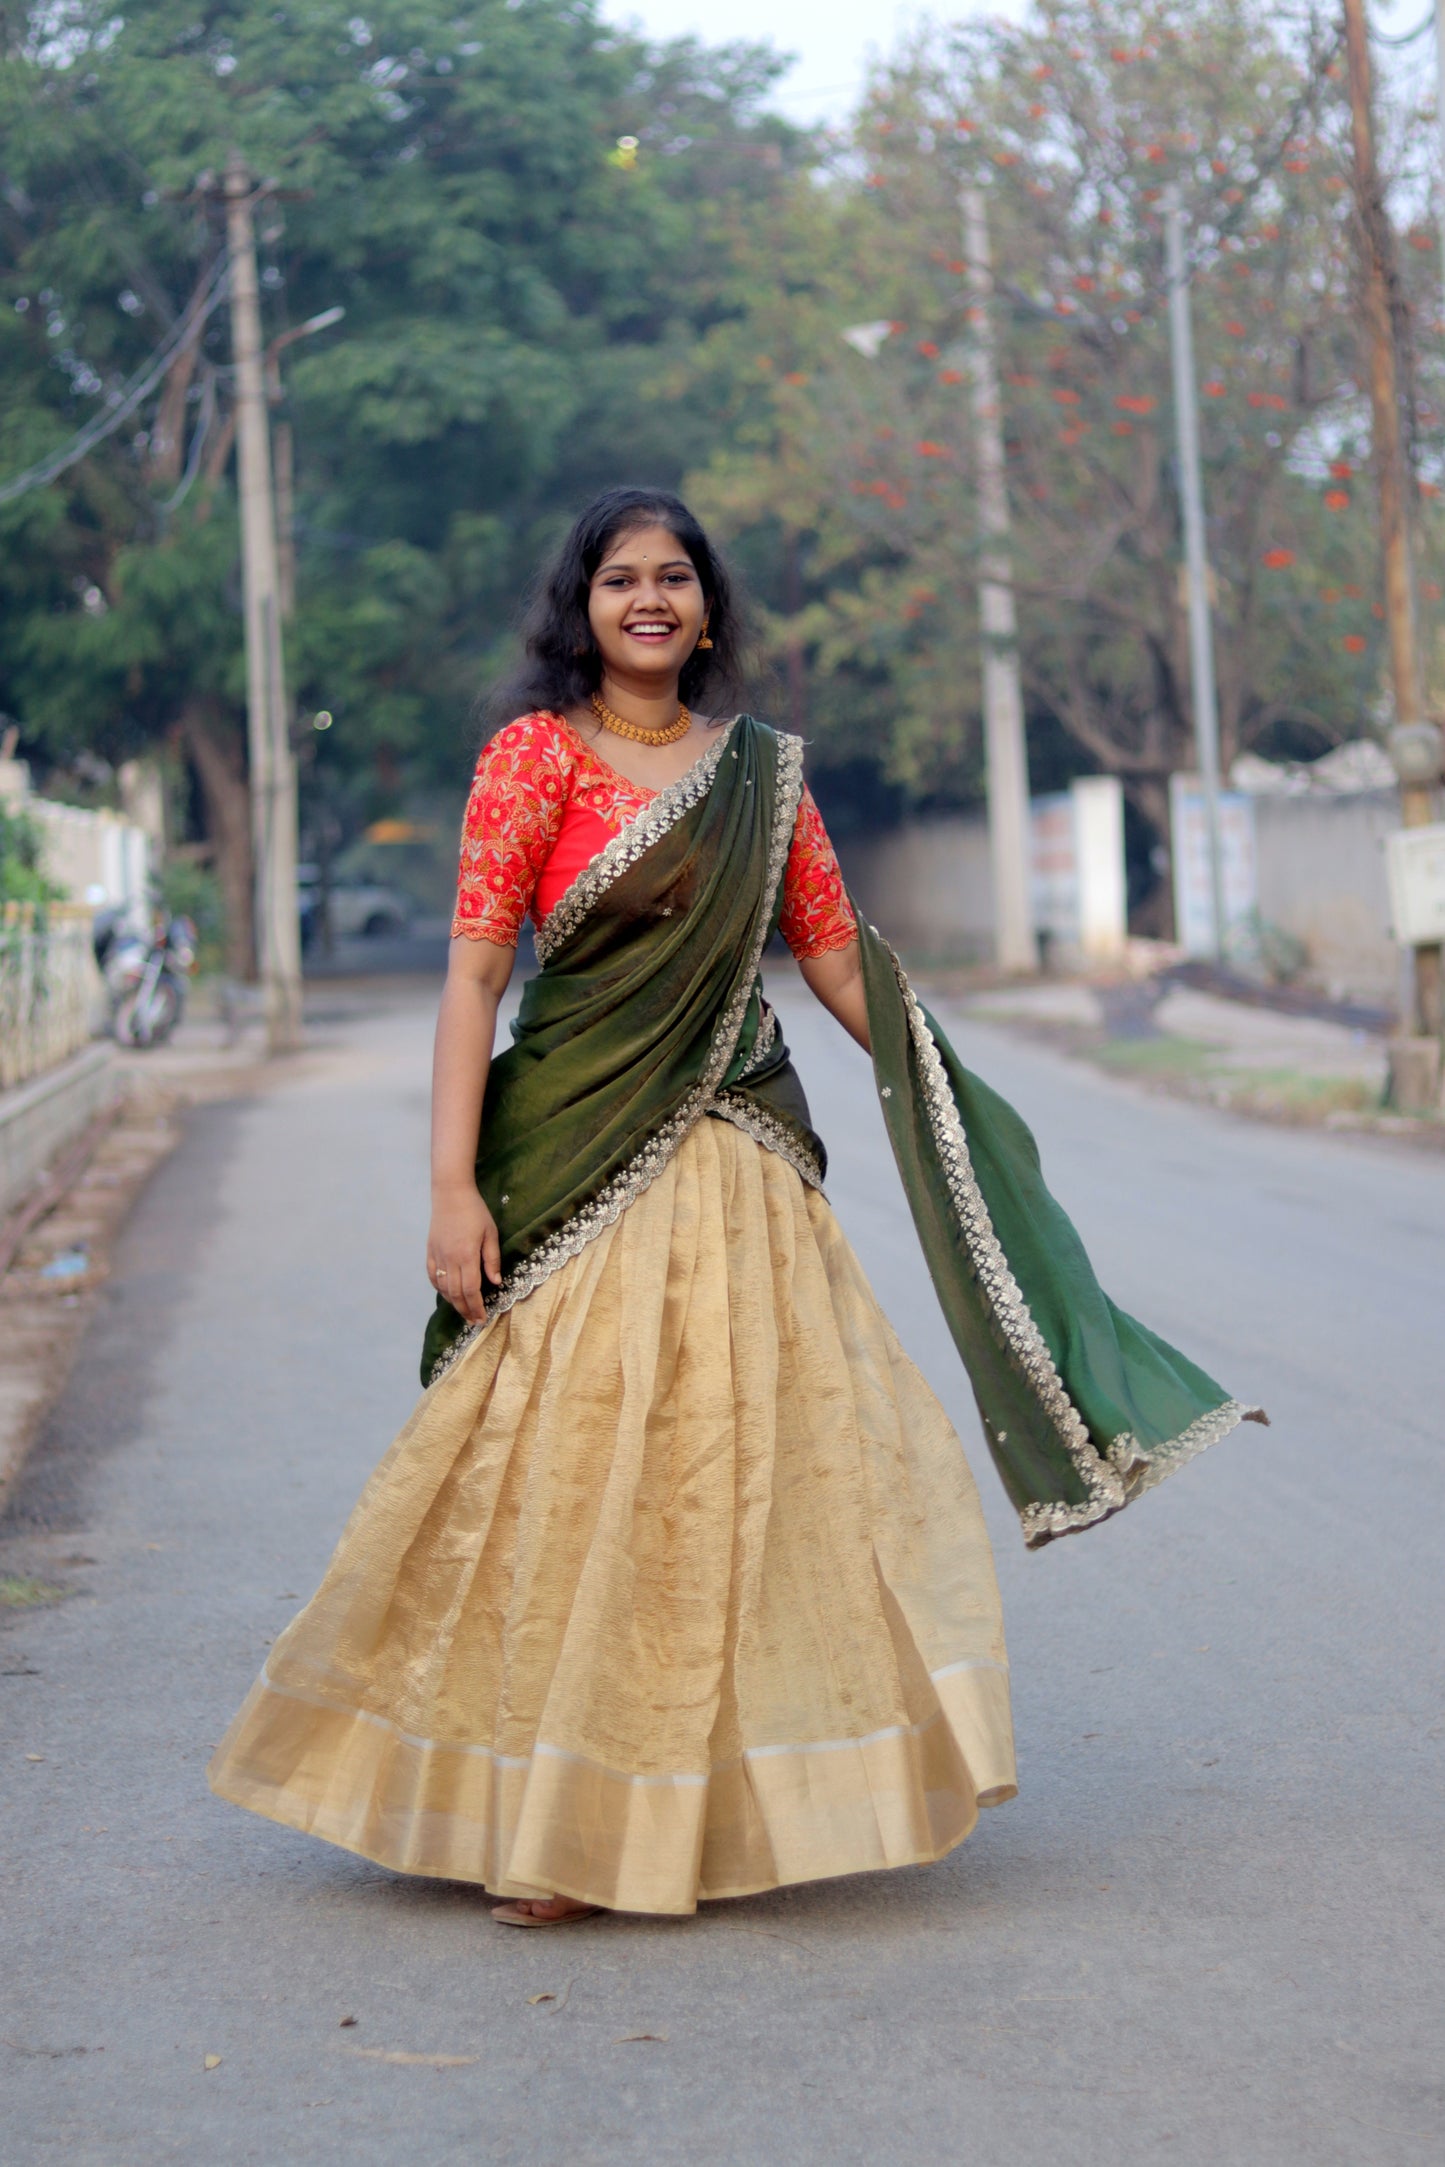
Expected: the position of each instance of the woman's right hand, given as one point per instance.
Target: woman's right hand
(461, 1244)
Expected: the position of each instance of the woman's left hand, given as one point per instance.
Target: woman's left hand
(462, 1246)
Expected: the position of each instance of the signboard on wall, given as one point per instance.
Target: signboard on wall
(1055, 869)
(1079, 889)
(1193, 902)
(1415, 869)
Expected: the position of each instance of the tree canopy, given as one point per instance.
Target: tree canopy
(523, 303)
(568, 258)
(1073, 126)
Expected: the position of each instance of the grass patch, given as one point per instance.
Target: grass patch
(1311, 1097)
(1162, 1056)
(17, 1593)
(1194, 1069)
(1204, 1071)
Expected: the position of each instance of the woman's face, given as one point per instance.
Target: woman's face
(646, 607)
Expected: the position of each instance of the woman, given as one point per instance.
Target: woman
(675, 1586)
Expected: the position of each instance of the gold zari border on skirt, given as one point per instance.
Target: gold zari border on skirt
(552, 1821)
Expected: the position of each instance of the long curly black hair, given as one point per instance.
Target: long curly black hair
(563, 668)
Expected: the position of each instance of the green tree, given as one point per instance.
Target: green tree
(525, 305)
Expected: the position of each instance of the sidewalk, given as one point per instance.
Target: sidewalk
(48, 1291)
(1172, 1037)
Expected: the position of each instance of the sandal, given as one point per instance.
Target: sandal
(509, 1915)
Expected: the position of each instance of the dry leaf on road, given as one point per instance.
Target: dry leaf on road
(212, 2061)
(420, 2061)
(630, 2038)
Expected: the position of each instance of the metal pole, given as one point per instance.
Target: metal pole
(1196, 566)
(1006, 753)
(283, 445)
(273, 769)
(285, 455)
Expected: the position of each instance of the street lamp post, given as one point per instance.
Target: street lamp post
(1196, 564)
(1006, 752)
(284, 454)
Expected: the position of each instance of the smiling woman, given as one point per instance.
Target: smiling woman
(676, 1586)
(639, 609)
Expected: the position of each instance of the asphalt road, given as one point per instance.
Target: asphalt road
(1208, 1930)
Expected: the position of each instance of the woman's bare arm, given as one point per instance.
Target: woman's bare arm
(837, 980)
(462, 1240)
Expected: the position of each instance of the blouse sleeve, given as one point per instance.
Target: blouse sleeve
(816, 914)
(519, 793)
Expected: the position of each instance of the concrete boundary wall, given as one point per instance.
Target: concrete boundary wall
(1320, 867)
(39, 1118)
(1321, 872)
(927, 886)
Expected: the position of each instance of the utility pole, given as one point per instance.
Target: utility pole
(1440, 130)
(1196, 563)
(1006, 754)
(273, 769)
(1414, 743)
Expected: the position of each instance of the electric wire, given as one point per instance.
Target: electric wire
(129, 398)
(198, 443)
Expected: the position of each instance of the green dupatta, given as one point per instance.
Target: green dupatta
(648, 1016)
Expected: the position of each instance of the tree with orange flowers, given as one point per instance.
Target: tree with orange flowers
(1075, 125)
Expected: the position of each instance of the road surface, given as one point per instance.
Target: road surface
(1207, 1931)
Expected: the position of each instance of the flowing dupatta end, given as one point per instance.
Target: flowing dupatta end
(1083, 1407)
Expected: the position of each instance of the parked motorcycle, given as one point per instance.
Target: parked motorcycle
(145, 974)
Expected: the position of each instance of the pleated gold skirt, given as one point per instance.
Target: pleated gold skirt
(674, 1587)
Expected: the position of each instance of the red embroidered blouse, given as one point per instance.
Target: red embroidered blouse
(543, 804)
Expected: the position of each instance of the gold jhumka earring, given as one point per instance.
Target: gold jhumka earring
(702, 638)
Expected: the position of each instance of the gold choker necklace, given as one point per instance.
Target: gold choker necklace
(668, 735)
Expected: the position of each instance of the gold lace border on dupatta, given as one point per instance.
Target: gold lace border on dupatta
(627, 846)
(623, 851)
(1114, 1478)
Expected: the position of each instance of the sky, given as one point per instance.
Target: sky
(834, 39)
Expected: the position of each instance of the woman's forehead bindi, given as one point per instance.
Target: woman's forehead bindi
(636, 550)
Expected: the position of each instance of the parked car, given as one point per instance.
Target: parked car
(361, 907)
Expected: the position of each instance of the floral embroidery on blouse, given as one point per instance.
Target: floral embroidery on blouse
(816, 915)
(526, 778)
